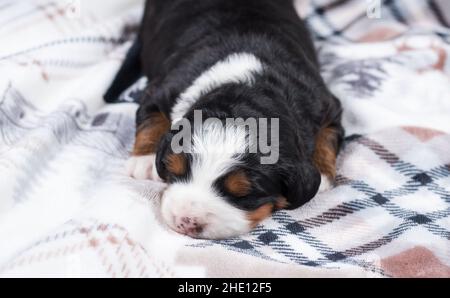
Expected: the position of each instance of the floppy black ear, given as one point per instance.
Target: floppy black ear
(164, 148)
(302, 185)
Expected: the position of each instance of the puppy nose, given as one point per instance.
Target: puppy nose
(189, 226)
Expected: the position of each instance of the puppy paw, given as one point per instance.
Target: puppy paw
(326, 184)
(142, 167)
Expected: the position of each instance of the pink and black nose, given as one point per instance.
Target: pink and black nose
(189, 226)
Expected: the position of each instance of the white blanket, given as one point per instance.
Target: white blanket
(68, 209)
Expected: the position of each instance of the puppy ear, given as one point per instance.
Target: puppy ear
(302, 185)
(164, 149)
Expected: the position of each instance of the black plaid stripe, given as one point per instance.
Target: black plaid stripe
(320, 14)
(395, 10)
(438, 13)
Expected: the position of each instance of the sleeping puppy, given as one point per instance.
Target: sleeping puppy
(229, 59)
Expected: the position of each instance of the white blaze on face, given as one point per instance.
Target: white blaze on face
(194, 207)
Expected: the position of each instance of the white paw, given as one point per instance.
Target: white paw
(142, 167)
(326, 184)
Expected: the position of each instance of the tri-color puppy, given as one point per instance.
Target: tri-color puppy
(230, 59)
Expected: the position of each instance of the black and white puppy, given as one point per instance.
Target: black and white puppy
(230, 59)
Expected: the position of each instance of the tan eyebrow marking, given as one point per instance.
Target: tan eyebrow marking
(238, 184)
(177, 164)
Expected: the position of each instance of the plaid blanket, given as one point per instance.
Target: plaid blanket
(68, 209)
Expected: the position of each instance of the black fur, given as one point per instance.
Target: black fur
(180, 39)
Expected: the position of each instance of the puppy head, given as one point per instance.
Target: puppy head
(219, 190)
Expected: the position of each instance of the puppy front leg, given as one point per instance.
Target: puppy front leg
(148, 135)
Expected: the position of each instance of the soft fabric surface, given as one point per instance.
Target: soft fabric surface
(68, 209)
